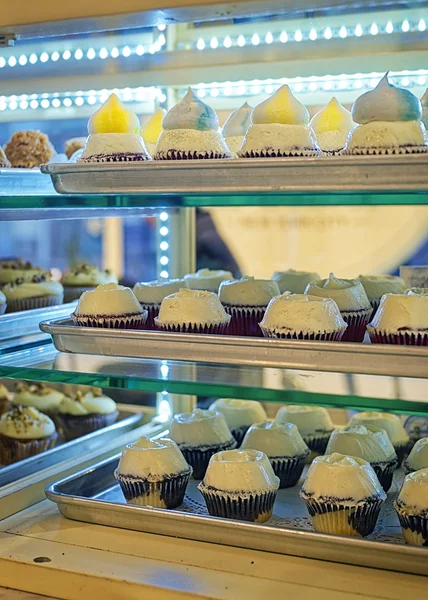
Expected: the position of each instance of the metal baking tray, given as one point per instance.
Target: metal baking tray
(126, 421)
(372, 359)
(243, 176)
(26, 322)
(93, 496)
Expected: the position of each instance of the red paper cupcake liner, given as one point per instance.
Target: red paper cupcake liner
(245, 320)
(152, 313)
(132, 321)
(190, 155)
(357, 322)
(116, 157)
(333, 336)
(403, 338)
(30, 303)
(219, 329)
(387, 151)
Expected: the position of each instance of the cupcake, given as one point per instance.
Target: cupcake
(4, 163)
(207, 279)
(12, 270)
(412, 508)
(400, 319)
(372, 445)
(417, 291)
(389, 122)
(37, 292)
(376, 286)
(391, 424)
(236, 126)
(303, 317)
(240, 484)
(109, 305)
(85, 413)
(200, 434)
(25, 432)
(239, 414)
(352, 301)
(5, 399)
(246, 300)
(191, 131)
(29, 149)
(313, 422)
(279, 127)
(73, 145)
(418, 457)
(3, 303)
(84, 277)
(151, 293)
(343, 495)
(294, 281)
(331, 126)
(152, 129)
(114, 135)
(192, 311)
(153, 473)
(284, 447)
(39, 396)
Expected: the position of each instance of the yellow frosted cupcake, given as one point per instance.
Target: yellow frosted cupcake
(332, 125)
(151, 130)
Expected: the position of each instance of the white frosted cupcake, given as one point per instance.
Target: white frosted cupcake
(376, 286)
(191, 131)
(192, 311)
(331, 126)
(240, 484)
(293, 281)
(343, 495)
(85, 413)
(412, 508)
(418, 457)
(38, 292)
(153, 473)
(236, 126)
(389, 122)
(207, 279)
(25, 432)
(400, 319)
(373, 445)
(151, 130)
(84, 277)
(351, 298)
(303, 317)
(239, 414)
(200, 434)
(112, 306)
(284, 447)
(391, 424)
(151, 293)
(38, 395)
(246, 300)
(313, 422)
(279, 127)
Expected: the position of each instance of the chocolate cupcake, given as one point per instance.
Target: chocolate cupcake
(85, 413)
(151, 293)
(200, 434)
(240, 484)
(400, 319)
(239, 414)
(411, 507)
(418, 457)
(313, 422)
(284, 447)
(84, 277)
(153, 473)
(343, 495)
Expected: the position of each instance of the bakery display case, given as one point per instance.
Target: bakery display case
(269, 210)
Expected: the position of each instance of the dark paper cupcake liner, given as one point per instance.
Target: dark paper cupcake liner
(375, 305)
(413, 527)
(116, 157)
(245, 320)
(296, 153)
(318, 444)
(13, 450)
(387, 151)
(218, 329)
(248, 507)
(73, 292)
(357, 323)
(152, 313)
(167, 493)
(333, 336)
(403, 338)
(74, 426)
(239, 433)
(198, 459)
(289, 469)
(341, 519)
(131, 321)
(30, 303)
(385, 472)
(190, 155)
(403, 450)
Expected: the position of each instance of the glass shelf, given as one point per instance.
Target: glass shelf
(406, 395)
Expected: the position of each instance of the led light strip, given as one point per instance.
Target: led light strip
(164, 245)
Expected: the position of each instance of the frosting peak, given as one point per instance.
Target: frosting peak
(332, 117)
(424, 103)
(191, 113)
(386, 103)
(238, 122)
(283, 107)
(113, 117)
(152, 128)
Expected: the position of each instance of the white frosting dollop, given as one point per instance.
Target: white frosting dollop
(191, 113)
(302, 313)
(387, 421)
(200, 428)
(275, 439)
(376, 286)
(345, 478)
(239, 413)
(108, 299)
(152, 459)
(153, 292)
(418, 457)
(241, 471)
(207, 279)
(348, 294)
(26, 423)
(193, 307)
(400, 312)
(93, 402)
(414, 493)
(294, 281)
(310, 420)
(37, 395)
(372, 444)
(248, 291)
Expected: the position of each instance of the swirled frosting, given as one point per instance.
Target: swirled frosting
(26, 423)
(275, 439)
(239, 413)
(424, 104)
(372, 444)
(191, 113)
(152, 459)
(153, 292)
(376, 286)
(418, 457)
(38, 395)
(108, 299)
(84, 274)
(248, 291)
(414, 493)
(93, 402)
(400, 312)
(387, 421)
(207, 279)
(200, 428)
(348, 294)
(310, 420)
(386, 103)
(192, 306)
(294, 281)
(332, 125)
(283, 108)
(113, 117)
(236, 126)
